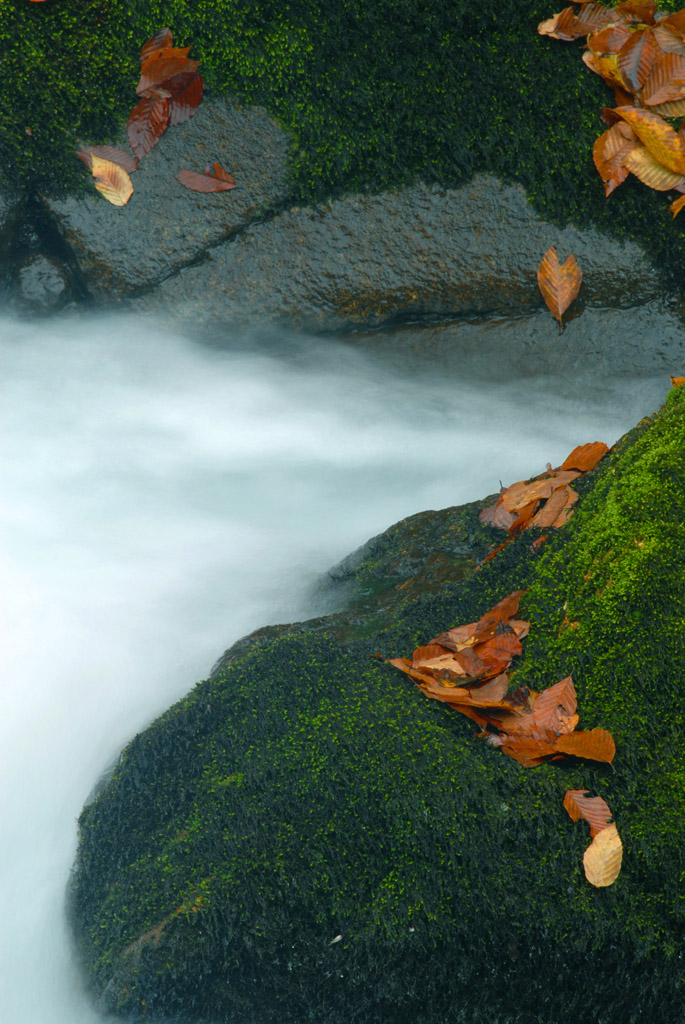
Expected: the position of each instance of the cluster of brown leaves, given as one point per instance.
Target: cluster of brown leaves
(639, 51)
(171, 90)
(603, 857)
(545, 501)
(466, 667)
(558, 282)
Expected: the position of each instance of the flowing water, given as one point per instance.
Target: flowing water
(160, 498)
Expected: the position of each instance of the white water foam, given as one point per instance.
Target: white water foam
(158, 500)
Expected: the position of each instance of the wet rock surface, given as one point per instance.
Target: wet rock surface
(644, 341)
(369, 260)
(43, 286)
(120, 250)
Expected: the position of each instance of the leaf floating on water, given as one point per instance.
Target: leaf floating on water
(112, 181)
(559, 283)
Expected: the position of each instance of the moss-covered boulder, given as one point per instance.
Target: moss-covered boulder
(306, 837)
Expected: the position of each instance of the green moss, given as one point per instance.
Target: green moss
(308, 792)
(374, 94)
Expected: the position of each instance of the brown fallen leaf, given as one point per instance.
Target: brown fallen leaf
(113, 153)
(112, 181)
(146, 124)
(159, 41)
(219, 181)
(593, 809)
(637, 57)
(677, 205)
(559, 283)
(157, 71)
(585, 456)
(608, 155)
(594, 745)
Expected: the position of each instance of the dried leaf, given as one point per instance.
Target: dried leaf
(637, 11)
(606, 66)
(585, 456)
(159, 40)
(658, 136)
(636, 58)
(146, 124)
(555, 707)
(668, 41)
(647, 168)
(675, 109)
(666, 81)
(551, 512)
(595, 745)
(116, 155)
(592, 809)
(559, 283)
(112, 181)
(675, 23)
(185, 99)
(608, 154)
(158, 71)
(203, 182)
(603, 857)
(609, 40)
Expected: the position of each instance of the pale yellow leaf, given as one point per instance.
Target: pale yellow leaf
(112, 181)
(603, 857)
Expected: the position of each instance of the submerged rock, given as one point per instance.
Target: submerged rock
(306, 837)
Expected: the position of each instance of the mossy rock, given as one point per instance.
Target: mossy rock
(375, 95)
(306, 837)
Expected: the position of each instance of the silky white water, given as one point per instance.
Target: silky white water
(159, 499)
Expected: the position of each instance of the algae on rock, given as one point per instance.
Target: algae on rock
(307, 793)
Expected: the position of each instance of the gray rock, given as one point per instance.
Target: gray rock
(43, 285)
(165, 226)
(369, 260)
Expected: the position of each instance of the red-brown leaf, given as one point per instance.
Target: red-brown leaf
(161, 39)
(609, 40)
(555, 708)
(158, 71)
(202, 182)
(609, 152)
(579, 804)
(146, 124)
(585, 456)
(666, 80)
(185, 99)
(636, 58)
(595, 745)
(559, 283)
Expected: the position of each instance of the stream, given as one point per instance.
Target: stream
(164, 494)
